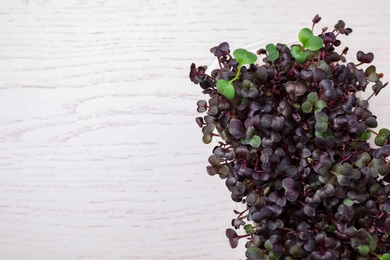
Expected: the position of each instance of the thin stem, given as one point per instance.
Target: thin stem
(372, 131)
(242, 213)
(371, 96)
(375, 254)
(237, 74)
(242, 236)
(348, 157)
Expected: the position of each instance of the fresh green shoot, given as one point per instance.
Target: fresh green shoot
(381, 137)
(242, 56)
(313, 102)
(309, 42)
(249, 229)
(273, 53)
(363, 250)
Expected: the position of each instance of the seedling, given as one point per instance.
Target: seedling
(242, 56)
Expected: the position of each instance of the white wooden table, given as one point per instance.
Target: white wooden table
(100, 156)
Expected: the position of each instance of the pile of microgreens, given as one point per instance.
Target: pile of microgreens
(293, 146)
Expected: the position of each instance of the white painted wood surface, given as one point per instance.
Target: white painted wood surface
(100, 157)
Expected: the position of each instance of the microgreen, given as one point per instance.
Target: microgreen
(242, 56)
(309, 42)
(382, 137)
(273, 53)
(225, 87)
(292, 144)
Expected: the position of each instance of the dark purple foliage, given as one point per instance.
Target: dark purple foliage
(220, 50)
(365, 57)
(293, 147)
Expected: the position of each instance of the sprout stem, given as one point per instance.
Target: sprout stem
(219, 62)
(375, 254)
(371, 96)
(372, 131)
(348, 157)
(242, 213)
(242, 236)
(237, 74)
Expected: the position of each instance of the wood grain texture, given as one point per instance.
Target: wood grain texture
(100, 157)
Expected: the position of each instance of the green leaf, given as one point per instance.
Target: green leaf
(373, 77)
(255, 141)
(331, 228)
(249, 229)
(245, 140)
(321, 126)
(325, 134)
(374, 189)
(348, 202)
(307, 107)
(273, 53)
(254, 253)
(344, 181)
(207, 138)
(273, 256)
(385, 256)
(301, 57)
(243, 56)
(305, 35)
(314, 44)
(363, 250)
(382, 136)
(380, 140)
(250, 131)
(319, 105)
(296, 105)
(298, 54)
(268, 244)
(377, 86)
(384, 132)
(309, 41)
(226, 88)
(244, 101)
(312, 97)
(365, 136)
(343, 174)
(363, 159)
(371, 69)
(294, 250)
(295, 50)
(373, 243)
(342, 169)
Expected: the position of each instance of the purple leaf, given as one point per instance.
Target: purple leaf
(290, 189)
